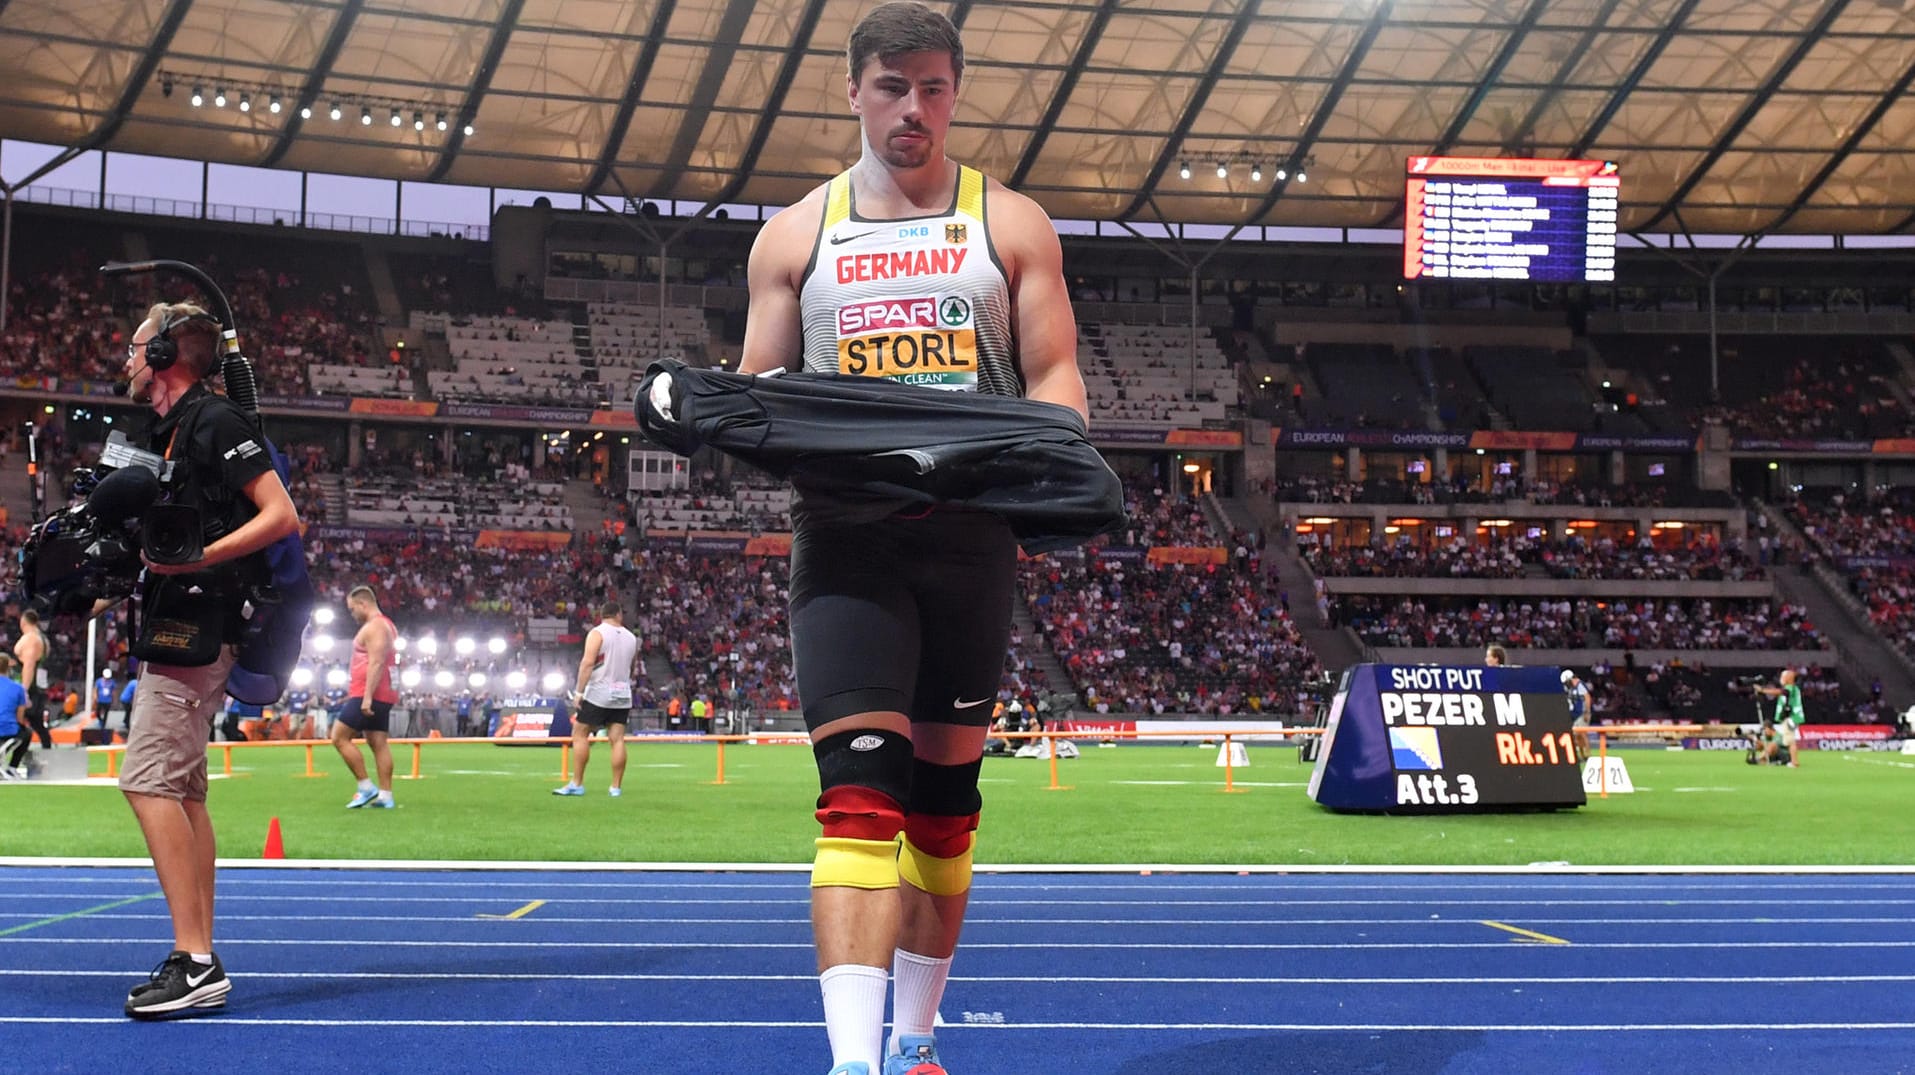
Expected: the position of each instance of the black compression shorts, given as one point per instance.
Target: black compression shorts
(908, 615)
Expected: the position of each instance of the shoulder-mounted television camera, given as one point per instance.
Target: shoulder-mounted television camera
(91, 550)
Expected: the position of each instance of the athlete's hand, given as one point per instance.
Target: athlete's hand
(660, 399)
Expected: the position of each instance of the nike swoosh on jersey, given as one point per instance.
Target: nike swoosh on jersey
(959, 703)
(836, 240)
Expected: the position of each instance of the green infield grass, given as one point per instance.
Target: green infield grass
(1127, 805)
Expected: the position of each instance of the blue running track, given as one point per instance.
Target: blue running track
(429, 972)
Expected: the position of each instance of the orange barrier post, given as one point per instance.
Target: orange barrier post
(415, 763)
(1050, 741)
(226, 763)
(113, 762)
(565, 760)
(1602, 765)
(310, 771)
(1230, 767)
(721, 761)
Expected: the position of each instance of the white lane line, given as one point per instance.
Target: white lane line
(987, 897)
(1004, 869)
(1005, 979)
(1032, 946)
(985, 920)
(1127, 1028)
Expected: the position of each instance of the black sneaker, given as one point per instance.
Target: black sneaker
(180, 989)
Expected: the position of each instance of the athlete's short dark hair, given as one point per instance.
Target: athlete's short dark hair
(901, 27)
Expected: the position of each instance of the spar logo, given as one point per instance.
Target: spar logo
(887, 315)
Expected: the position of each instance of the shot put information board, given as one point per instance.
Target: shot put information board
(1433, 740)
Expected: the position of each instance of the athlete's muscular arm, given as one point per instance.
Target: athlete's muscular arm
(378, 643)
(589, 660)
(31, 650)
(1041, 315)
(774, 332)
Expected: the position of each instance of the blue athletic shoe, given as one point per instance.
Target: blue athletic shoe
(569, 789)
(614, 792)
(917, 1055)
(361, 798)
(382, 804)
(851, 1067)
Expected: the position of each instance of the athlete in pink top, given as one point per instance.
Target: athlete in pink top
(369, 696)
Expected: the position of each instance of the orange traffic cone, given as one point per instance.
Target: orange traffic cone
(275, 849)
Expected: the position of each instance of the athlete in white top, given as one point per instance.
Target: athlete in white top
(603, 696)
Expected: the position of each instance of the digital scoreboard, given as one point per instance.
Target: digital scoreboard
(1432, 739)
(1489, 218)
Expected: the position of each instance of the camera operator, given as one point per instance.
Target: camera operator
(1788, 717)
(190, 620)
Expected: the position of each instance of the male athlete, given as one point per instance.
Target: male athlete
(1788, 717)
(604, 696)
(911, 267)
(370, 694)
(31, 651)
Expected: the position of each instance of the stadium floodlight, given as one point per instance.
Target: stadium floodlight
(428, 645)
(443, 679)
(554, 681)
(1256, 173)
(464, 647)
(418, 120)
(305, 112)
(219, 97)
(365, 116)
(334, 112)
(245, 102)
(275, 105)
(1282, 174)
(395, 118)
(199, 96)
(166, 87)
(468, 130)
(322, 643)
(495, 646)
(1223, 170)
(442, 121)
(515, 680)
(322, 616)
(475, 680)
(1302, 176)
(302, 676)
(337, 677)
(410, 678)
(1183, 170)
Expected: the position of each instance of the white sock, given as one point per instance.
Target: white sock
(385, 796)
(854, 1013)
(920, 990)
(365, 785)
(204, 959)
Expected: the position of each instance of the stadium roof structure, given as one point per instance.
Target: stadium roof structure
(1725, 116)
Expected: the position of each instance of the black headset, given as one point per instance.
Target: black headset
(162, 350)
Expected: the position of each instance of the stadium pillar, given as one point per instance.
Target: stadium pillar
(1529, 464)
(1618, 471)
(1353, 464)
(6, 249)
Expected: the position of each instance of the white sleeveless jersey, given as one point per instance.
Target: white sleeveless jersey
(609, 686)
(923, 300)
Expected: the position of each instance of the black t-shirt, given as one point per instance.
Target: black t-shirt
(222, 452)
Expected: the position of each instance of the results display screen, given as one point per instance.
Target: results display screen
(1489, 218)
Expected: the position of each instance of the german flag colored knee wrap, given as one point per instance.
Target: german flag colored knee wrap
(859, 848)
(937, 853)
(846, 862)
